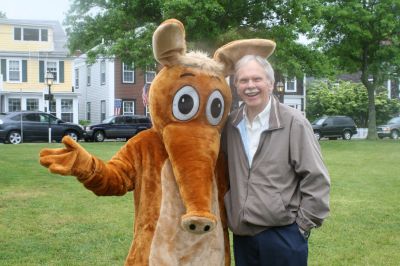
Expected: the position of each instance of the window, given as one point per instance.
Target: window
(329, 121)
(32, 118)
(45, 118)
(103, 72)
(14, 104)
(67, 110)
(290, 85)
(150, 74)
(76, 78)
(128, 75)
(14, 70)
(88, 111)
(128, 107)
(103, 110)
(88, 75)
(51, 66)
(31, 34)
(32, 104)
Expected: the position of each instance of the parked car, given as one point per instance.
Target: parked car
(391, 129)
(334, 127)
(16, 127)
(121, 126)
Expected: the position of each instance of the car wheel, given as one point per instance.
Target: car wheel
(394, 134)
(72, 134)
(99, 136)
(317, 135)
(347, 135)
(14, 137)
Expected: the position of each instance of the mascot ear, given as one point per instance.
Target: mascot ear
(169, 42)
(231, 52)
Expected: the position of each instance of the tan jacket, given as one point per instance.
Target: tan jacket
(287, 181)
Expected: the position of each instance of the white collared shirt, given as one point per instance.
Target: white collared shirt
(254, 129)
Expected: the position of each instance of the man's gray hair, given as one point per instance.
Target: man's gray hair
(269, 71)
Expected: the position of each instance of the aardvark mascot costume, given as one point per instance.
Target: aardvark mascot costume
(175, 169)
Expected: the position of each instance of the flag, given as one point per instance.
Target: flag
(145, 94)
(117, 106)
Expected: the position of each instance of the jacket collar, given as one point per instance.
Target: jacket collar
(275, 120)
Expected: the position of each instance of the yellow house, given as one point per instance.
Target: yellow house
(28, 50)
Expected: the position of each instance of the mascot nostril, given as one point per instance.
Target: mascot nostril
(175, 169)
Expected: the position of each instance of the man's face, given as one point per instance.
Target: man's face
(253, 86)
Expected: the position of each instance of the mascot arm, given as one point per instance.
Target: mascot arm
(113, 178)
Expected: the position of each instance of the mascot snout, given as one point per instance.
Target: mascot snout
(193, 151)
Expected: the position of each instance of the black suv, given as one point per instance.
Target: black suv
(34, 126)
(120, 126)
(334, 127)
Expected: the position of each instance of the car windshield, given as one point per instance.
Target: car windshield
(394, 120)
(319, 121)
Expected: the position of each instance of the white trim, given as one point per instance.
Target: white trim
(57, 80)
(294, 80)
(19, 69)
(128, 71)
(133, 108)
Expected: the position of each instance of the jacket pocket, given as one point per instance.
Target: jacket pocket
(265, 207)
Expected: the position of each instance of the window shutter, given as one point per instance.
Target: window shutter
(61, 79)
(24, 71)
(41, 71)
(4, 69)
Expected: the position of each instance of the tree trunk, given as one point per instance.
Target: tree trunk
(372, 135)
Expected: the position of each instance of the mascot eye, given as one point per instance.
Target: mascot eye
(215, 108)
(186, 103)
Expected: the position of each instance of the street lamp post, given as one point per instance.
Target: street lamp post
(49, 81)
(280, 87)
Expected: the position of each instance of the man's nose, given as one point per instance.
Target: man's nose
(251, 83)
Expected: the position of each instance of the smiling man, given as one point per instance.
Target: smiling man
(279, 185)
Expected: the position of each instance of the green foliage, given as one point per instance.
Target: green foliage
(386, 108)
(362, 36)
(84, 122)
(348, 98)
(124, 28)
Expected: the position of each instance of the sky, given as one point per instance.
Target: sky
(35, 9)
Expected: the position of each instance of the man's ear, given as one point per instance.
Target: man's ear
(231, 52)
(169, 42)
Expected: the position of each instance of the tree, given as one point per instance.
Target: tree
(362, 36)
(342, 98)
(124, 28)
(348, 98)
(2, 15)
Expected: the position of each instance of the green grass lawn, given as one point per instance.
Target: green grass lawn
(48, 219)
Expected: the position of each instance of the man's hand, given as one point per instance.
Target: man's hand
(70, 160)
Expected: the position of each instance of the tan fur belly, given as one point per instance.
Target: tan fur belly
(172, 245)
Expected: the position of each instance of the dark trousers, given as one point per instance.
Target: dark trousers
(278, 246)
